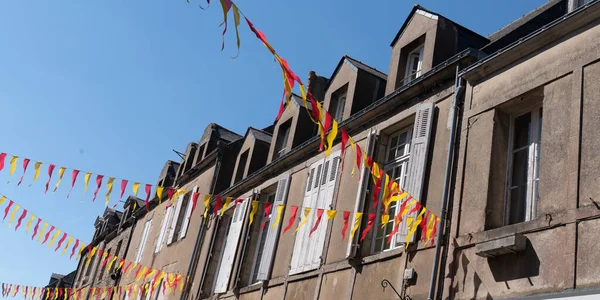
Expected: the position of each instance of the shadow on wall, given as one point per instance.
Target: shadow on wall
(519, 265)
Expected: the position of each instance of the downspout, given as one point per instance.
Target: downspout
(200, 238)
(119, 274)
(458, 89)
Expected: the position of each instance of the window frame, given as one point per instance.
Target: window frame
(410, 64)
(390, 165)
(533, 162)
(340, 105)
(143, 240)
(256, 259)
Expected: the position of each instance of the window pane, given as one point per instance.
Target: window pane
(519, 170)
(521, 131)
(518, 201)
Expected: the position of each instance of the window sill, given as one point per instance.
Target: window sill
(251, 288)
(383, 255)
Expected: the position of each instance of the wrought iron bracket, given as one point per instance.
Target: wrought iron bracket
(385, 283)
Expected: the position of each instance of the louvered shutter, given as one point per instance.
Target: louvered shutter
(417, 164)
(174, 221)
(266, 262)
(302, 243)
(325, 198)
(188, 213)
(163, 229)
(231, 244)
(360, 196)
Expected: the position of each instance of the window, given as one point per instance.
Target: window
(163, 229)
(338, 102)
(182, 216)
(262, 238)
(396, 166)
(241, 167)
(523, 173)
(142, 244)
(101, 274)
(282, 140)
(308, 248)
(414, 64)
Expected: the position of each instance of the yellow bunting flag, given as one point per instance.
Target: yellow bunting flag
(80, 250)
(12, 215)
(353, 147)
(134, 290)
(236, 22)
(331, 137)
(254, 210)
(90, 255)
(112, 261)
(159, 279)
(141, 274)
(36, 169)
(159, 193)
(398, 197)
(2, 199)
(414, 226)
(135, 187)
(86, 180)
(226, 205)
(331, 214)
(206, 204)
(280, 208)
(69, 241)
(109, 187)
(306, 213)
(61, 172)
(103, 292)
(357, 217)
(29, 223)
(13, 165)
(53, 238)
(150, 274)
(42, 231)
(429, 228)
(55, 293)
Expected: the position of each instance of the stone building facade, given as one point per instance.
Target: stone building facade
(493, 134)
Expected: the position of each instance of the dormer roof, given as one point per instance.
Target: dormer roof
(357, 65)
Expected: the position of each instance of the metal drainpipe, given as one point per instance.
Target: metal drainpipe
(200, 238)
(118, 279)
(447, 178)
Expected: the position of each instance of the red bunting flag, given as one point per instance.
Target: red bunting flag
(7, 209)
(62, 239)
(16, 290)
(50, 170)
(120, 292)
(423, 225)
(416, 208)
(268, 206)
(127, 267)
(170, 193)
(368, 227)
(73, 179)
(25, 294)
(344, 143)
(105, 260)
(98, 185)
(33, 293)
(319, 215)
(292, 219)
(137, 272)
(74, 248)
(48, 234)
(377, 188)
(123, 186)
(25, 164)
(281, 107)
(326, 127)
(60, 293)
(217, 205)
(358, 159)
(148, 188)
(9, 288)
(35, 228)
(194, 201)
(21, 219)
(2, 159)
(434, 230)
(345, 228)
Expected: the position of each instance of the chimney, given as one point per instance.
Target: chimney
(317, 85)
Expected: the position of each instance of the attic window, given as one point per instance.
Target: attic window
(338, 102)
(239, 173)
(282, 139)
(414, 64)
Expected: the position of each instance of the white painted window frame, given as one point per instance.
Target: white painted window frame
(143, 240)
(410, 64)
(533, 160)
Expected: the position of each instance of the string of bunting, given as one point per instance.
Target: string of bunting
(164, 283)
(328, 130)
(48, 233)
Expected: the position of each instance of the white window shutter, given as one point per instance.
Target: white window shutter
(187, 216)
(163, 229)
(142, 245)
(266, 262)
(174, 221)
(231, 245)
(360, 197)
(417, 164)
(324, 200)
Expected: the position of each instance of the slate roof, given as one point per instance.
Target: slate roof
(365, 68)
(260, 135)
(225, 133)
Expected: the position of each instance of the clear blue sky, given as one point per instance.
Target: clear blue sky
(113, 86)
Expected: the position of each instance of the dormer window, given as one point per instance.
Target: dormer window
(282, 140)
(338, 102)
(414, 65)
